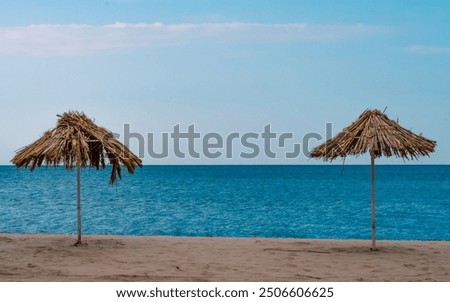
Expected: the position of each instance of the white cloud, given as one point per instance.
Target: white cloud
(421, 49)
(78, 39)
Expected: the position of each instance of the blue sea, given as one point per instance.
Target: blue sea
(305, 201)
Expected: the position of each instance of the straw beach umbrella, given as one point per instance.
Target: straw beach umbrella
(77, 141)
(375, 133)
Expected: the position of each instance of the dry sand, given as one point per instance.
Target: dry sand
(126, 258)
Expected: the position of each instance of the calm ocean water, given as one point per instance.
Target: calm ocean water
(413, 201)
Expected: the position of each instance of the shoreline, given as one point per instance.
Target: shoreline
(53, 257)
(74, 235)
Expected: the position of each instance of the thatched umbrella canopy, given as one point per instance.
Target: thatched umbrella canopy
(375, 133)
(78, 141)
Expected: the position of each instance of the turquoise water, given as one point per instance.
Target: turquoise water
(413, 201)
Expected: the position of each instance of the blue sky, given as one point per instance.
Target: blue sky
(224, 66)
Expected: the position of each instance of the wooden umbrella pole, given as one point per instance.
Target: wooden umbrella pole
(372, 161)
(79, 201)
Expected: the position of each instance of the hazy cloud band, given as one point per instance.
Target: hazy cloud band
(421, 49)
(81, 39)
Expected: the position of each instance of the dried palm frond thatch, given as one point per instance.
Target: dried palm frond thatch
(375, 133)
(77, 141)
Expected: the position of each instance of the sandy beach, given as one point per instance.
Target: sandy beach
(127, 258)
